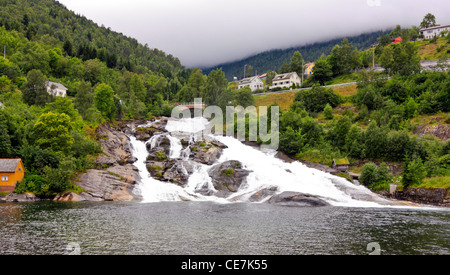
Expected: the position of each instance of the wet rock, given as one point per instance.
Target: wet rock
(206, 152)
(297, 199)
(69, 197)
(179, 172)
(263, 194)
(21, 198)
(227, 177)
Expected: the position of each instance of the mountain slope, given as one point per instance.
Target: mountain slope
(273, 59)
(55, 25)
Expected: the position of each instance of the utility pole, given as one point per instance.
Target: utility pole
(373, 57)
(302, 71)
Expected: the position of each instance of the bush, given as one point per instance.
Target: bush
(328, 112)
(314, 100)
(413, 172)
(372, 175)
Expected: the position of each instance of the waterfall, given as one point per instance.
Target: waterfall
(267, 171)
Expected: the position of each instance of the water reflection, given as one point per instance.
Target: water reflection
(211, 228)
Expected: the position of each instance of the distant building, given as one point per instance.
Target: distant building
(56, 89)
(263, 77)
(254, 83)
(342, 165)
(11, 172)
(432, 32)
(309, 68)
(285, 80)
(397, 40)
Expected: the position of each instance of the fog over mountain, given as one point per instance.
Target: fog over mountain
(205, 33)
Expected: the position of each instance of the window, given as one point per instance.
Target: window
(5, 178)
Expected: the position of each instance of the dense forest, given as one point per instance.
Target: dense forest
(273, 60)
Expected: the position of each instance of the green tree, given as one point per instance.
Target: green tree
(372, 175)
(270, 76)
(328, 112)
(35, 89)
(244, 97)
(314, 100)
(291, 141)
(428, 21)
(215, 86)
(375, 141)
(84, 98)
(401, 58)
(343, 58)
(296, 63)
(52, 130)
(5, 141)
(322, 71)
(104, 100)
(413, 172)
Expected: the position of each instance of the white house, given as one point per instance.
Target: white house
(56, 89)
(285, 80)
(254, 83)
(432, 32)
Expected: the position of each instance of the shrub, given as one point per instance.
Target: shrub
(372, 175)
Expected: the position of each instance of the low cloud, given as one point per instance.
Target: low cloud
(205, 33)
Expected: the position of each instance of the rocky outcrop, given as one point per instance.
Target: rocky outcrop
(263, 194)
(115, 146)
(21, 198)
(227, 177)
(206, 152)
(441, 131)
(437, 196)
(297, 199)
(107, 185)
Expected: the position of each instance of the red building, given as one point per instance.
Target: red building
(397, 40)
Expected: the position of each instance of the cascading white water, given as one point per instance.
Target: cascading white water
(267, 171)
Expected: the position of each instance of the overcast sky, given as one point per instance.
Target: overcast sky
(209, 32)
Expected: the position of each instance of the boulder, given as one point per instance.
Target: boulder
(206, 152)
(179, 172)
(21, 198)
(68, 197)
(105, 185)
(263, 194)
(297, 199)
(228, 177)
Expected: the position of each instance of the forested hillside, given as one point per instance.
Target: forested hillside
(109, 77)
(50, 22)
(274, 59)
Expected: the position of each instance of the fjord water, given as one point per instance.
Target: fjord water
(204, 228)
(164, 224)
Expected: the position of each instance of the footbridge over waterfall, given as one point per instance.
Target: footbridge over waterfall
(190, 105)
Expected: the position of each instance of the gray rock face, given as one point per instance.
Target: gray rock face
(227, 177)
(107, 185)
(297, 199)
(206, 152)
(115, 146)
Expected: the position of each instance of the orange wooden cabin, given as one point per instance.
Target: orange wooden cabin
(11, 172)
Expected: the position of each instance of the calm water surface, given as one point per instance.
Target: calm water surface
(203, 228)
